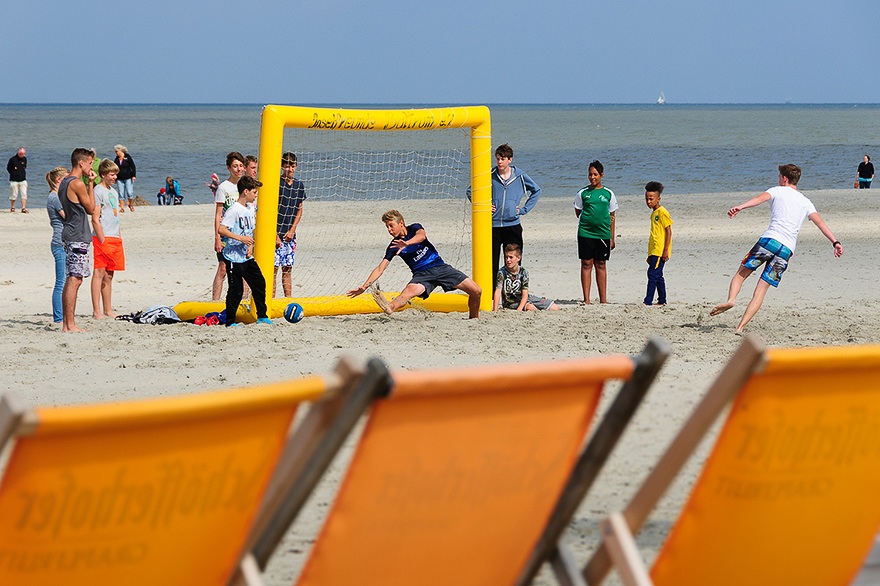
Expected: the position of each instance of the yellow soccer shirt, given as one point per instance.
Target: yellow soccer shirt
(660, 219)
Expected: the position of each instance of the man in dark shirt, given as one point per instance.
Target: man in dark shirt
(17, 180)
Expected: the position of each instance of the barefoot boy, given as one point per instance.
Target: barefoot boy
(109, 254)
(428, 269)
(237, 230)
(512, 285)
(659, 243)
(788, 209)
(224, 197)
(78, 202)
(291, 195)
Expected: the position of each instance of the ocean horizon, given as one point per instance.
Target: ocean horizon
(690, 148)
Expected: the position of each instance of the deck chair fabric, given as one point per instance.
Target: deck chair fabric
(458, 471)
(159, 491)
(788, 494)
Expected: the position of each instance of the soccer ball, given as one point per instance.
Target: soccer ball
(293, 313)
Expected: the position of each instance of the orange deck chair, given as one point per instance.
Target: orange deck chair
(789, 493)
(147, 493)
(460, 472)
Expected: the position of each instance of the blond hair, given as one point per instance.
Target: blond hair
(53, 177)
(392, 216)
(107, 166)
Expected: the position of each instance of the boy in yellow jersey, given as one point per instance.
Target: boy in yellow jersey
(659, 243)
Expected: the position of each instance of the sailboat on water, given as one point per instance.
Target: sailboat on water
(662, 99)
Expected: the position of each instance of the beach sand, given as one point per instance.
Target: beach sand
(821, 301)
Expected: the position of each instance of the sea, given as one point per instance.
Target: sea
(691, 149)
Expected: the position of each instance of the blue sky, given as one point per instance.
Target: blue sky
(450, 52)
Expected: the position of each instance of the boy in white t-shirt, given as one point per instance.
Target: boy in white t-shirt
(788, 210)
(107, 240)
(237, 230)
(224, 197)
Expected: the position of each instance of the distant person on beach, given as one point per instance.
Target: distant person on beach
(595, 206)
(866, 173)
(659, 243)
(107, 239)
(160, 197)
(17, 169)
(226, 195)
(172, 192)
(291, 195)
(512, 285)
(237, 230)
(125, 178)
(509, 186)
(788, 210)
(77, 198)
(428, 270)
(56, 220)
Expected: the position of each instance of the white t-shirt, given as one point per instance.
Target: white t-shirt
(788, 210)
(108, 199)
(241, 222)
(227, 194)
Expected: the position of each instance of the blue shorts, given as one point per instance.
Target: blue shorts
(774, 254)
(440, 276)
(284, 253)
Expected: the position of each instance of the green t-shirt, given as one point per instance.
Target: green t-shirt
(596, 206)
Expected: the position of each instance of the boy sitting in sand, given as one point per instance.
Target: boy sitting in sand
(788, 209)
(512, 285)
(237, 230)
(107, 240)
(428, 269)
(659, 243)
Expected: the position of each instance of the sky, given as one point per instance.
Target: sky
(453, 52)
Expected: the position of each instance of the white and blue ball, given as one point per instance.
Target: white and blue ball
(293, 313)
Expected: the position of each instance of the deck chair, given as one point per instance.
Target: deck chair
(789, 493)
(461, 475)
(153, 492)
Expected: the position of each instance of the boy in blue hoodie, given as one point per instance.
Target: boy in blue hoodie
(509, 187)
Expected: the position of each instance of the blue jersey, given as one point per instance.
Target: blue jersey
(418, 256)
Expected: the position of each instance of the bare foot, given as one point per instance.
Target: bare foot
(721, 308)
(73, 329)
(97, 316)
(111, 315)
(380, 300)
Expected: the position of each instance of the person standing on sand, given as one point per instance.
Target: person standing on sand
(78, 202)
(595, 206)
(788, 210)
(126, 178)
(17, 167)
(866, 173)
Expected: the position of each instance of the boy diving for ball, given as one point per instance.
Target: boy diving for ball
(428, 269)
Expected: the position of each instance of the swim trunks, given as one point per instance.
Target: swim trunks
(76, 262)
(440, 276)
(109, 255)
(772, 252)
(594, 248)
(284, 253)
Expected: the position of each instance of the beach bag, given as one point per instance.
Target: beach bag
(154, 314)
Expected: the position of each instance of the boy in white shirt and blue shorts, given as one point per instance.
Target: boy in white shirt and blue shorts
(788, 210)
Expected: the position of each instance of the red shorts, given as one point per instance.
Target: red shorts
(109, 255)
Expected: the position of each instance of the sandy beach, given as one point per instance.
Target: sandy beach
(821, 301)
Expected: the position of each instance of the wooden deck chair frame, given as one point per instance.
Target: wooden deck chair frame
(340, 393)
(586, 469)
(617, 532)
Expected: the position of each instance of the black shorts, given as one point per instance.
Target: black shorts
(594, 248)
(440, 276)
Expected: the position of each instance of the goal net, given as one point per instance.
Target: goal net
(357, 164)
